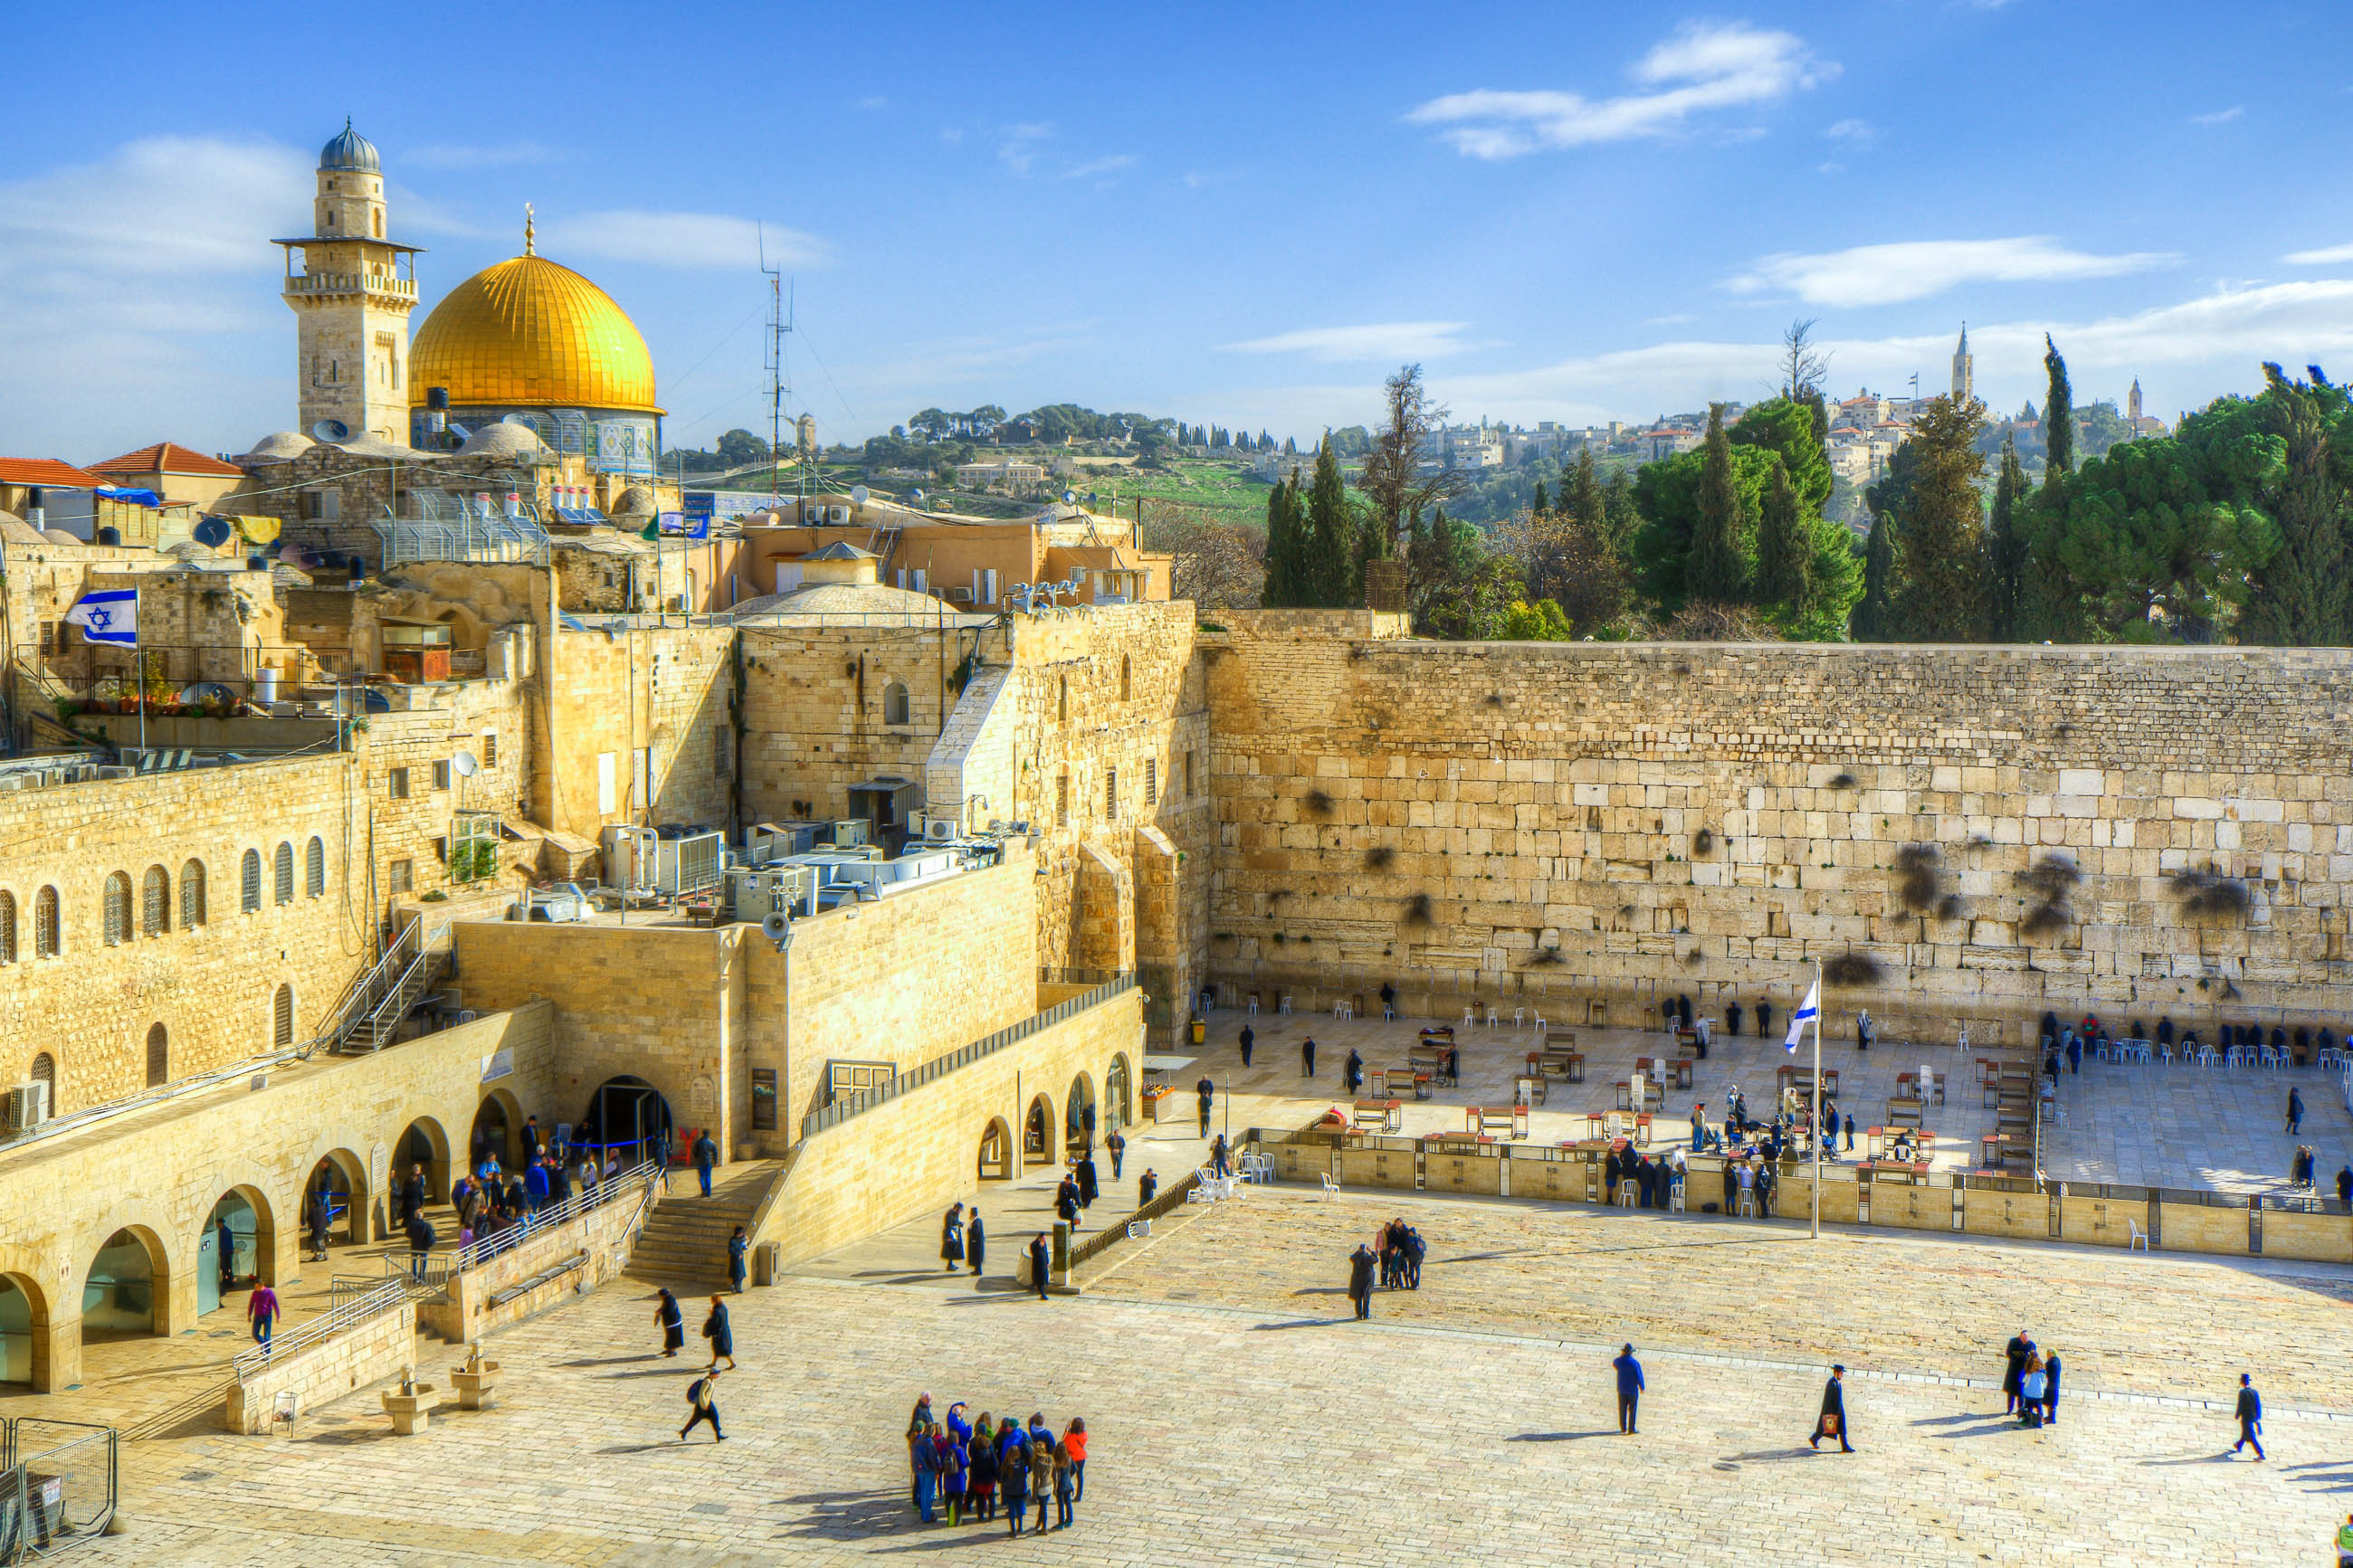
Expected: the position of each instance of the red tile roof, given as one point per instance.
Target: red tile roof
(46, 471)
(165, 457)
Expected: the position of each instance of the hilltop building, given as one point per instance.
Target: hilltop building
(1964, 369)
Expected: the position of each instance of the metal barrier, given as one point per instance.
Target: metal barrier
(638, 1178)
(59, 1483)
(851, 1105)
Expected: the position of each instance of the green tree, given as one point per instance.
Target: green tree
(1286, 548)
(2300, 597)
(1718, 567)
(1872, 615)
(1786, 427)
(1939, 594)
(741, 448)
(1458, 589)
(1581, 498)
(1542, 504)
(1784, 548)
(2157, 543)
(1540, 622)
(2058, 417)
(2006, 539)
(1332, 561)
(1622, 515)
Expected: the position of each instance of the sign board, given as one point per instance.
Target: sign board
(686, 523)
(498, 1064)
(701, 503)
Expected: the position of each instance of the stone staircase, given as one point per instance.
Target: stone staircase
(684, 1243)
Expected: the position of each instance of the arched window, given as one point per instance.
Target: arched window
(45, 1070)
(1124, 678)
(117, 910)
(250, 889)
(46, 937)
(7, 928)
(159, 1056)
(895, 703)
(156, 902)
(314, 867)
(192, 895)
(1062, 702)
(281, 1016)
(284, 866)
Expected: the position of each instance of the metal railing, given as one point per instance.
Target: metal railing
(842, 1110)
(59, 1483)
(383, 995)
(641, 1178)
(470, 535)
(388, 1297)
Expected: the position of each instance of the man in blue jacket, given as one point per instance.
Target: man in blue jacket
(1629, 1388)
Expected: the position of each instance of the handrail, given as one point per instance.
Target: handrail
(480, 1250)
(390, 1296)
(429, 947)
(851, 1105)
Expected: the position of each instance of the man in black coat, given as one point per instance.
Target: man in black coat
(1146, 1187)
(2250, 1413)
(1042, 1258)
(1353, 1073)
(1206, 1091)
(1248, 1037)
(1088, 1188)
(1361, 1264)
(1831, 1423)
(2051, 1389)
(975, 1242)
(1306, 1056)
(2017, 1351)
(1732, 1021)
(1764, 1019)
(412, 1193)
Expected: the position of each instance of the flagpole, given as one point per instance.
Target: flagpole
(1816, 1230)
(139, 674)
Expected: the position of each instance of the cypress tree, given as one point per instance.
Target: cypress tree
(1784, 546)
(1716, 570)
(1937, 598)
(2006, 549)
(1620, 514)
(1541, 503)
(1331, 553)
(1581, 498)
(1282, 546)
(2058, 417)
(1868, 621)
(2300, 595)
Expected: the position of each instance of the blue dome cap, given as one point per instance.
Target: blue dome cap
(350, 150)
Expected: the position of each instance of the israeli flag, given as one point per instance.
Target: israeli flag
(1807, 1011)
(111, 617)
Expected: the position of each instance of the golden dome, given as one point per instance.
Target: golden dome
(528, 333)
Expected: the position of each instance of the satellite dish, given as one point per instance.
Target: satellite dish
(919, 495)
(778, 926)
(331, 430)
(465, 764)
(1070, 498)
(212, 530)
(296, 556)
(858, 495)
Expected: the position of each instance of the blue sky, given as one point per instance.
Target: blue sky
(1569, 211)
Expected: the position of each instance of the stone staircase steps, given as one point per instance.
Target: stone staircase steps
(684, 1242)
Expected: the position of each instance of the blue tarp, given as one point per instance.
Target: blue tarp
(136, 498)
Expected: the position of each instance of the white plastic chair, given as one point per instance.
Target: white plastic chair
(1540, 1022)
(1627, 1192)
(1491, 1015)
(1331, 1185)
(2140, 1236)
(1254, 1004)
(1283, 1009)
(1748, 1204)
(1519, 1017)
(1470, 1016)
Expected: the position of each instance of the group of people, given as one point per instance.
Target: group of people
(969, 1469)
(2070, 1041)
(1653, 1179)
(2029, 1382)
(702, 1395)
(1394, 1254)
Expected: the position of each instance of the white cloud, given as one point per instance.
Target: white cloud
(1704, 65)
(2220, 116)
(1097, 166)
(2323, 258)
(1861, 130)
(501, 155)
(1017, 146)
(873, 101)
(1889, 274)
(1378, 340)
(687, 240)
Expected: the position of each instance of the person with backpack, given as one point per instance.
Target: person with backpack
(925, 1451)
(980, 1470)
(1040, 1444)
(703, 1398)
(1013, 1470)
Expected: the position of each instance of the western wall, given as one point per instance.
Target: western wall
(2144, 831)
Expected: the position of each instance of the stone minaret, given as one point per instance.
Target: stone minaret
(350, 302)
(1963, 367)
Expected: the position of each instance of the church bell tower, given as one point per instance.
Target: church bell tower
(1964, 369)
(351, 302)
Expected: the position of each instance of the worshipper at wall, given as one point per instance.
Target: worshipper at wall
(951, 1237)
(1831, 1421)
(1084, 1172)
(1361, 1264)
(975, 1242)
(672, 1323)
(2014, 1369)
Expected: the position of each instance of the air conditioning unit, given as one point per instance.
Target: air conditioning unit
(28, 1106)
(838, 514)
(112, 773)
(12, 784)
(939, 829)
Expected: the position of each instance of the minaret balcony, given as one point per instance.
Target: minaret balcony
(382, 283)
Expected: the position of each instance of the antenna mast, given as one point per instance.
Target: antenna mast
(780, 383)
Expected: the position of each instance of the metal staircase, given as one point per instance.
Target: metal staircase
(373, 1009)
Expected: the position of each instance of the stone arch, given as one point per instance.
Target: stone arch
(114, 924)
(1119, 1092)
(156, 902)
(344, 1174)
(1038, 1131)
(281, 1016)
(45, 1070)
(24, 1328)
(499, 1117)
(129, 1277)
(1080, 1113)
(159, 1055)
(628, 1110)
(192, 895)
(895, 703)
(281, 881)
(995, 1161)
(423, 1141)
(252, 1256)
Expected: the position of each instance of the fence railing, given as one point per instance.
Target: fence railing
(638, 1181)
(851, 1105)
(388, 1297)
(59, 1483)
